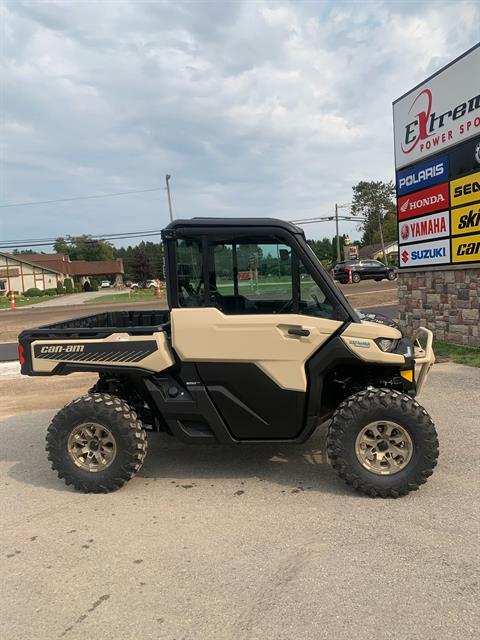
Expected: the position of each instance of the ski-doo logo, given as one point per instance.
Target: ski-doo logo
(426, 201)
(466, 219)
(426, 126)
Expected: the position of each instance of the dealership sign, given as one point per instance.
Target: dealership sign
(437, 159)
(436, 225)
(425, 253)
(422, 202)
(440, 113)
(422, 175)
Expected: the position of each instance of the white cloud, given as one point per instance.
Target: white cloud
(256, 108)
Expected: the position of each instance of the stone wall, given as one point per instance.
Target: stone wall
(447, 302)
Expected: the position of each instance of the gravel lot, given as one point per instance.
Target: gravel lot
(243, 543)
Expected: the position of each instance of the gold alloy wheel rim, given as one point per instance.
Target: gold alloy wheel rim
(383, 447)
(92, 447)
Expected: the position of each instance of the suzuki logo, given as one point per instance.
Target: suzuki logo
(405, 256)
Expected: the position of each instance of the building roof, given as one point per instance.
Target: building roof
(370, 249)
(20, 257)
(62, 264)
(96, 267)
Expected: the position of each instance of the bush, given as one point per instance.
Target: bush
(50, 292)
(78, 287)
(68, 284)
(60, 288)
(94, 286)
(33, 292)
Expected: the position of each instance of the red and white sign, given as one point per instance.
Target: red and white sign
(425, 253)
(351, 251)
(435, 225)
(441, 112)
(434, 198)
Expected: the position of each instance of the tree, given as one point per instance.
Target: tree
(374, 201)
(84, 248)
(140, 266)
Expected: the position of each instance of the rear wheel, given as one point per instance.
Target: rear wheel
(391, 275)
(383, 443)
(356, 277)
(96, 443)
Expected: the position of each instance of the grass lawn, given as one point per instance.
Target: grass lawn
(144, 295)
(21, 301)
(457, 353)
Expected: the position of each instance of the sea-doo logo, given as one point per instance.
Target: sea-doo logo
(426, 126)
(422, 175)
(426, 201)
(465, 190)
(60, 348)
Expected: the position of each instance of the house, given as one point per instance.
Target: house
(45, 270)
(375, 252)
(19, 273)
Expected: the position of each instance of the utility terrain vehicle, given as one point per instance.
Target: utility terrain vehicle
(258, 346)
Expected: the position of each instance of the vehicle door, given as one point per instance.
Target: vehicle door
(250, 315)
(378, 269)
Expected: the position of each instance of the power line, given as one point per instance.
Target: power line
(103, 195)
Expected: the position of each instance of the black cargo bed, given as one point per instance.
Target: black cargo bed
(103, 324)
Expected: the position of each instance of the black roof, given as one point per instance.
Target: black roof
(235, 222)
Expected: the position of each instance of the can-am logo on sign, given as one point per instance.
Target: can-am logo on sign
(429, 227)
(422, 175)
(440, 113)
(421, 202)
(425, 253)
(466, 248)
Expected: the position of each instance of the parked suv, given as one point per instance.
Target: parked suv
(363, 270)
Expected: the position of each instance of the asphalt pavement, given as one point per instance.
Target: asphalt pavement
(243, 543)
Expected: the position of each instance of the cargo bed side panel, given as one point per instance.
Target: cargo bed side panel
(147, 352)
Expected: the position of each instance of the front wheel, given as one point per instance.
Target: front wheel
(356, 278)
(96, 443)
(383, 443)
(391, 275)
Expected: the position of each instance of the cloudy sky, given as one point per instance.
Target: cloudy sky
(255, 108)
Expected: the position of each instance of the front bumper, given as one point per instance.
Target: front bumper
(424, 356)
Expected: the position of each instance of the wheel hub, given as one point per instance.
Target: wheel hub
(384, 447)
(92, 447)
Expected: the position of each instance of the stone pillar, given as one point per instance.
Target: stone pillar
(445, 301)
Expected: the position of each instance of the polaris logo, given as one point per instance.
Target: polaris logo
(60, 348)
(422, 176)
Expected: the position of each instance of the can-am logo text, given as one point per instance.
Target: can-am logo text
(426, 126)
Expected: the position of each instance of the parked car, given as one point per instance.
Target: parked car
(151, 284)
(363, 270)
(133, 285)
(105, 284)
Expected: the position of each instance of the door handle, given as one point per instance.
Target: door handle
(294, 331)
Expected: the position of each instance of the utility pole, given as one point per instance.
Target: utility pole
(381, 236)
(167, 181)
(339, 257)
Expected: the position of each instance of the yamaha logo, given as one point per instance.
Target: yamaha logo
(405, 233)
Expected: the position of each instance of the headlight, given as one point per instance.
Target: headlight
(386, 344)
